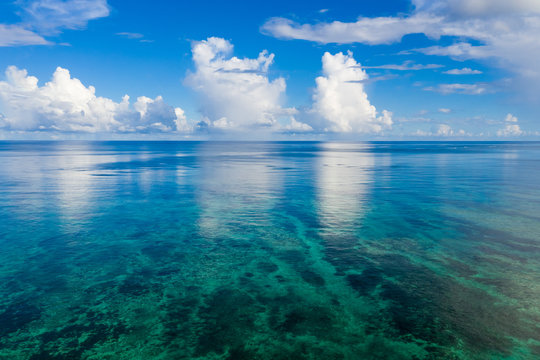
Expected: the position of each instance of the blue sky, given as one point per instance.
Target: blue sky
(443, 69)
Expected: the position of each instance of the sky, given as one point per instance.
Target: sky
(317, 70)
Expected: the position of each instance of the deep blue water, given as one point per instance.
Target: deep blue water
(292, 250)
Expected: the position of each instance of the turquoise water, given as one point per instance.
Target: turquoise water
(188, 250)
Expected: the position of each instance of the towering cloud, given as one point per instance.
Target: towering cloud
(341, 101)
(236, 93)
(64, 104)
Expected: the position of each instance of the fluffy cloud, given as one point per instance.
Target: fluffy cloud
(511, 127)
(510, 118)
(340, 100)
(442, 130)
(510, 130)
(501, 30)
(445, 130)
(463, 71)
(235, 93)
(295, 126)
(64, 104)
(445, 110)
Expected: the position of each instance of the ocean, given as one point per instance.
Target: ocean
(269, 250)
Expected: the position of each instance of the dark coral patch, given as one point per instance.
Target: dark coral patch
(312, 278)
(17, 316)
(365, 282)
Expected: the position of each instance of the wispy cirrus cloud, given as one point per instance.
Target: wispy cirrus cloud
(406, 66)
(50, 17)
(43, 18)
(130, 35)
(374, 79)
(503, 33)
(372, 31)
(16, 35)
(134, 36)
(462, 71)
(459, 51)
(466, 89)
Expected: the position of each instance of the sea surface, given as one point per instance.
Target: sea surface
(269, 250)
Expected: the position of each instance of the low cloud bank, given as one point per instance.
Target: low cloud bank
(64, 104)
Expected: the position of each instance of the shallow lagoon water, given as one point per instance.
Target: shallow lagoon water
(306, 250)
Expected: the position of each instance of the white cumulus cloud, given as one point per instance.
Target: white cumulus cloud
(441, 130)
(295, 126)
(341, 101)
(64, 104)
(510, 130)
(510, 118)
(236, 93)
(511, 127)
(445, 130)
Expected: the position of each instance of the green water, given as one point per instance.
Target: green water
(165, 250)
